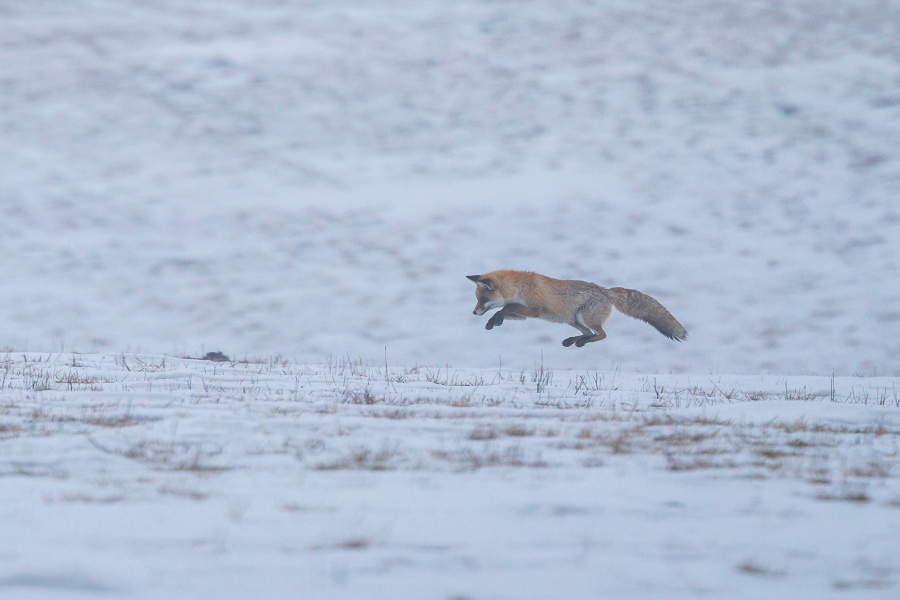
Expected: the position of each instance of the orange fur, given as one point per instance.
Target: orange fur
(581, 304)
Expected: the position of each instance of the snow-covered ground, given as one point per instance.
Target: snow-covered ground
(304, 185)
(136, 476)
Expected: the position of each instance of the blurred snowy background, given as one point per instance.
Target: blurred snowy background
(316, 178)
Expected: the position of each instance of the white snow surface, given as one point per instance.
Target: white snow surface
(136, 476)
(316, 179)
(304, 185)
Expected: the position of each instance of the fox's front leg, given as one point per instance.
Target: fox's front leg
(516, 312)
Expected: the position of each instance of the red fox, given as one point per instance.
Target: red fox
(581, 304)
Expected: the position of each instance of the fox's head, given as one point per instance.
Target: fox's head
(488, 296)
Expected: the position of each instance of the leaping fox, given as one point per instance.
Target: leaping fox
(581, 304)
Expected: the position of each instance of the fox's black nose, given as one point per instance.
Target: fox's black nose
(474, 312)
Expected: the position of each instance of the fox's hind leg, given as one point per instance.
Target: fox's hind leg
(585, 334)
(587, 339)
(591, 325)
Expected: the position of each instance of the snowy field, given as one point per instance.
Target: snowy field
(305, 185)
(153, 477)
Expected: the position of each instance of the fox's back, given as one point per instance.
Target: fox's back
(556, 299)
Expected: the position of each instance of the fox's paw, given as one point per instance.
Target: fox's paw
(494, 321)
(569, 341)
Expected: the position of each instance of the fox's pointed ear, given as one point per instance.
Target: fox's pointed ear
(487, 283)
(482, 281)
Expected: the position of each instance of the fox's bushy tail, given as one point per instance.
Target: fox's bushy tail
(641, 306)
